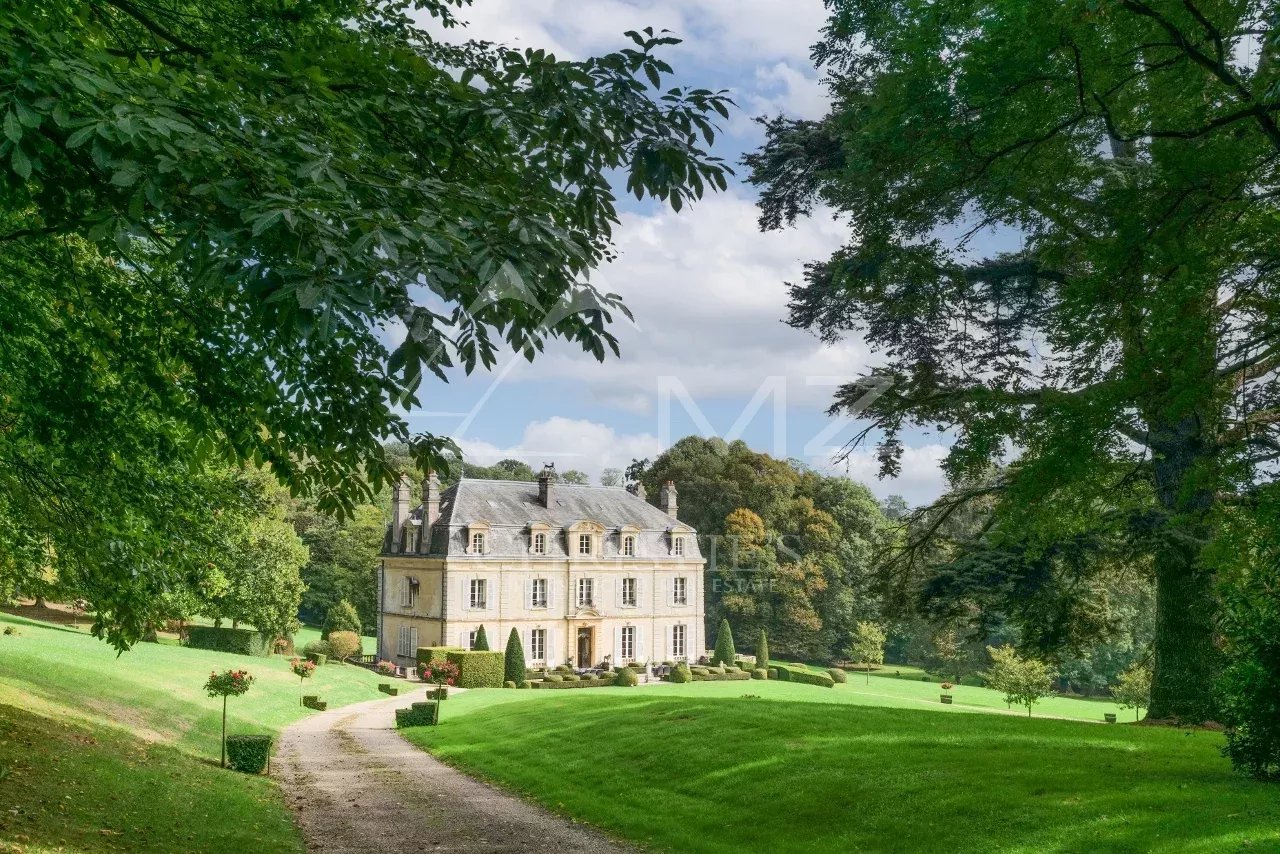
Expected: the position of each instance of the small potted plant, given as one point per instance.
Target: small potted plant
(946, 692)
(304, 670)
(441, 674)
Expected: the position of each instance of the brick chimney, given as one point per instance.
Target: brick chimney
(399, 511)
(430, 509)
(667, 498)
(545, 481)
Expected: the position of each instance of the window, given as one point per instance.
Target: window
(471, 638)
(586, 591)
(628, 546)
(477, 543)
(629, 592)
(680, 591)
(538, 645)
(408, 592)
(677, 642)
(584, 544)
(407, 642)
(478, 590)
(538, 593)
(628, 643)
(677, 547)
(539, 544)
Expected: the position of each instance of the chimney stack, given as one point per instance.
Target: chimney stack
(430, 509)
(667, 498)
(545, 480)
(637, 489)
(399, 511)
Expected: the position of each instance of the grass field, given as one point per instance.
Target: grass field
(107, 753)
(710, 771)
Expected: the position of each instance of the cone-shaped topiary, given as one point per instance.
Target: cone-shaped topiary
(341, 617)
(762, 650)
(482, 642)
(724, 645)
(515, 658)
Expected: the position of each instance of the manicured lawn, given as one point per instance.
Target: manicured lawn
(711, 771)
(97, 745)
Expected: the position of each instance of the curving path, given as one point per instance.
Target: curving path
(356, 786)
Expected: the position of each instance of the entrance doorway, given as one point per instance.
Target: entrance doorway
(586, 647)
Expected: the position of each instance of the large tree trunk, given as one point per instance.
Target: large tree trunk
(1186, 655)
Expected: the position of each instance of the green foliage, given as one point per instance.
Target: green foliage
(482, 641)
(576, 477)
(249, 753)
(1133, 689)
(866, 645)
(428, 655)
(342, 562)
(837, 675)
(508, 684)
(722, 676)
(344, 644)
(341, 617)
(238, 641)
(762, 649)
(1023, 680)
(760, 673)
(317, 658)
(524, 683)
(626, 678)
(323, 647)
(514, 659)
(680, 674)
(800, 673)
(478, 668)
(180, 173)
(418, 714)
(724, 652)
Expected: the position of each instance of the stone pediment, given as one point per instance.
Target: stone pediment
(587, 612)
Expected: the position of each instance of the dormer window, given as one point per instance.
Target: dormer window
(584, 544)
(539, 538)
(583, 538)
(477, 543)
(539, 543)
(629, 546)
(677, 546)
(477, 540)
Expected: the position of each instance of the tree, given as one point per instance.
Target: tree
(866, 646)
(1133, 689)
(482, 641)
(229, 683)
(1033, 679)
(949, 654)
(342, 562)
(575, 476)
(239, 198)
(724, 653)
(1002, 674)
(611, 477)
(304, 670)
(762, 650)
(514, 661)
(342, 617)
(344, 644)
(1141, 194)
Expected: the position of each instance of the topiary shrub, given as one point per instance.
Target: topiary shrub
(726, 676)
(344, 644)
(481, 642)
(771, 672)
(509, 684)
(248, 753)
(553, 677)
(759, 673)
(419, 714)
(837, 675)
(724, 645)
(680, 674)
(237, 641)
(762, 650)
(440, 692)
(514, 658)
(478, 668)
(626, 678)
(801, 674)
(428, 655)
(570, 677)
(341, 617)
(525, 684)
(317, 658)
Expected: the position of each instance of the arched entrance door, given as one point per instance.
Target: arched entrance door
(586, 646)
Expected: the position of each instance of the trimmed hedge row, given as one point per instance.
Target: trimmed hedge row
(313, 702)
(387, 688)
(479, 668)
(727, 676)
(419, 714)
(432, 654)
(553, 683)
(803, 675)
(237, 641)
(248, 753)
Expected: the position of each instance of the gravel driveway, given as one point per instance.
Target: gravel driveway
(356, 786)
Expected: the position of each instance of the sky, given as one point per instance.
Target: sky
(708, 351)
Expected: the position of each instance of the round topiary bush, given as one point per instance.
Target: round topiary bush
(680, 674)
(319, 647)
(554, 677)
(626, 678)
(525, 684)
(772, 672)
(569, 677)
(838, 675)
(508, 684)
(344, 644)
(759, 673)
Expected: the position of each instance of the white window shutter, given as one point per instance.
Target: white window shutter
(413, 641)
(617, 592)
(640, 600)
(528, 593)
(641, 652)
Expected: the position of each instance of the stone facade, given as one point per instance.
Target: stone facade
(585, 574)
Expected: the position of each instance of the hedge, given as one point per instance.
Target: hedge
(440, 693)
(237, 641)
(432, 654)
(248, 753)
(759, 673)
(478, 668)
(680, 674)
(317, 658)
(315, 703)
(771, 672)
(419, 714)
(790, 673)
(837, 675)
(626, 678)
(727, 676)
(580, 683)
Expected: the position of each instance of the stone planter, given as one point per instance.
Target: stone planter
(1109, 717)
(946, 698)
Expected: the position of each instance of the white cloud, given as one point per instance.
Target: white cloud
(921, 480)
(570, 444)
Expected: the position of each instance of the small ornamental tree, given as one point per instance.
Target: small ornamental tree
(341, 617)
(514, 663)
(724, 645)
(440, 674)
(229, 683)
(1133, 689)
(762, 650)
(482, 641)
(1030, 680)
(866, 646)
(344, 644)
(1002, 673)
(304, 670)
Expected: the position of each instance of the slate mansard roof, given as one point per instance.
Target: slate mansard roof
(509, 507)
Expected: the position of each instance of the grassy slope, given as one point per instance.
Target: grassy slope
(113, 753)
(718, 773)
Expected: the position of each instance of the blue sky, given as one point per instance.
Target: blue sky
(708, 352)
